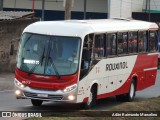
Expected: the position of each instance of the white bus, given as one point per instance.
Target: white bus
(80, 61)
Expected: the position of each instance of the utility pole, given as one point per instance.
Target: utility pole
(121, 10)
(109, 4)
(85, 7)
(43, 4)
(1, 5)
(146, 6)
(149, 10)
(32, 5)
(68, 7)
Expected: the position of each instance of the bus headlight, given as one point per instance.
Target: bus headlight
(19, 84)
(70, 88)
(18, 92)
(71, 97)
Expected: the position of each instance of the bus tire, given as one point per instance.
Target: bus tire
(132, 91)
(128, 97)
(36, 102)
(91, 99)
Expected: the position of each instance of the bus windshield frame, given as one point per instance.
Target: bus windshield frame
(48, 54)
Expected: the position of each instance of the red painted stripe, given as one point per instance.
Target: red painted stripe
(46, 82)
(144, 78)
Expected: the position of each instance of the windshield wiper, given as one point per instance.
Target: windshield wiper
(54, 67)
(40, 63)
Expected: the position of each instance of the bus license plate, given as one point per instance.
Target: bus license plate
(42, 95)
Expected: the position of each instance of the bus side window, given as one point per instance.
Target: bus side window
(99, 46)
(142, 41)
(122, 43)
(108, 45)
(132, 42)
(111, 44)
(157, 40)
(152, 41)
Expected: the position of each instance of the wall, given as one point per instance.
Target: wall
(100, 5)
(10, 32)
(137, 5)
(154, 5)
(120, 9)
(55, 10)
(152, 17)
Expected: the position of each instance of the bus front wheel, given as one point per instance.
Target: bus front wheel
(36, 102)
(91, 99)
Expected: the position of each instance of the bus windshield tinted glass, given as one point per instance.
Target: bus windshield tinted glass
(48, 55)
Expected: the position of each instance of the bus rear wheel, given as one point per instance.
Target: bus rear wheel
(131, 94)
(128, 97)
(36, 102)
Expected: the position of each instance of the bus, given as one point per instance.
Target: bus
(81, 61)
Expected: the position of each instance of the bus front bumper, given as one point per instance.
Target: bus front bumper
(25, 92)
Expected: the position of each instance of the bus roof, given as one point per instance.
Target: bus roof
(80, 28)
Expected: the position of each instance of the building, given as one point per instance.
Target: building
(54, 9)
(12, 23)
(148, 10)
(11, 30)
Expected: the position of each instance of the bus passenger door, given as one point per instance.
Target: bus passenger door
(84, 68)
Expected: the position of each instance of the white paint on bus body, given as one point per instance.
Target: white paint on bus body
(105, 77)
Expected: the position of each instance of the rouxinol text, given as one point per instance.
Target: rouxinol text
(116, 66)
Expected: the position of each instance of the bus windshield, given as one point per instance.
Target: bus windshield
(48, 55)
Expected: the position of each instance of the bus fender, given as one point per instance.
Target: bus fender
(90, 86)
(133, 77)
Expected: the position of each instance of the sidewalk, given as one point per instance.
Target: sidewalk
(6, 81)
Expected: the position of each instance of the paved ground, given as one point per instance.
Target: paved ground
(6, 81)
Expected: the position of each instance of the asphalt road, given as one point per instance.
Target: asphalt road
(8, 102)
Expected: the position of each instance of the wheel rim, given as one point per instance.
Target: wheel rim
(132, 90)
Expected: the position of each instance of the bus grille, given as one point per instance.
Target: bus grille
(49, 97)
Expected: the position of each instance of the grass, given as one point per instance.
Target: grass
(152, 104)
(146, 106)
